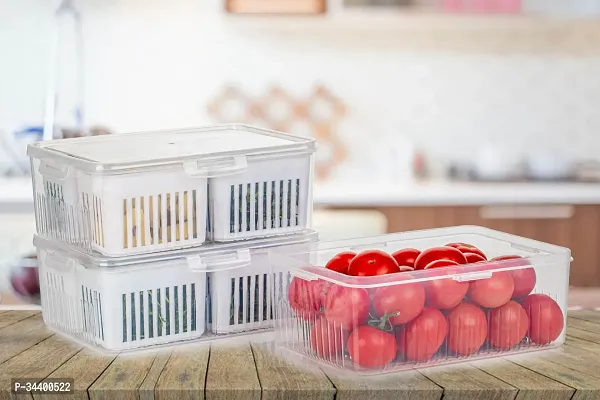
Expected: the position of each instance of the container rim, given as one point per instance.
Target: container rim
(542, 253)
(212, 250)
(297, 145)
(359, 244)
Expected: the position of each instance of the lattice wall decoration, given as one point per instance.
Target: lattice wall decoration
(317, 115)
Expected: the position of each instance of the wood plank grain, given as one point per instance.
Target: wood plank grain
(123, 377)
(232, 374)
(571, 358)
(585, 345)
(279, 377)
(586, 387)
(146, 389)
(588, 315)
(22, 335)
(587, 361)
(84, 367)
(465, 382)
(531, 385)
(575, 333)
(11, 317)
(582, 324)
(405, 385)
(184, 375)
(36, 362)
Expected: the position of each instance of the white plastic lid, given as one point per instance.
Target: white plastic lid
(213, 256)
(207, 146)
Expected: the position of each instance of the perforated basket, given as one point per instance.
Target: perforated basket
(133, 302)
(145, 192)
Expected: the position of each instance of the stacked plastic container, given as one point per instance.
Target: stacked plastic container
(470, 293)
(151, 238)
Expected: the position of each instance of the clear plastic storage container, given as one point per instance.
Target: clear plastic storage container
(148, 300)
(423, 317)
(143, 192)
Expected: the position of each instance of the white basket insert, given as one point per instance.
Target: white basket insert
(271, 197)
(122, 214)
(122, 308)
(241, 299)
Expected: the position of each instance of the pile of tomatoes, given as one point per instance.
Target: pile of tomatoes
(417, 321)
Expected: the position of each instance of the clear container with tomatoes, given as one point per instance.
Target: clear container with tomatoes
(417, 299)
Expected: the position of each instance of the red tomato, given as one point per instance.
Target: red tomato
(346, 307)
(407, 301)
(467, 329)
(439, 253)
(304, 297)
(371, 348)
(423, 336)
(467, 248)
(508, 325)
(340, 262)
(546, 319)
(326, 340)
(473, 258)
(440, 264)
(492, 292)
(525, 278)
(406, 257)
(373, 262)
(406, 268)
(445, 293)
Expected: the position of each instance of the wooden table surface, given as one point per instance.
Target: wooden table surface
(249, 371)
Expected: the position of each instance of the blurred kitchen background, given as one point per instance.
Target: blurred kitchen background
(428, 113)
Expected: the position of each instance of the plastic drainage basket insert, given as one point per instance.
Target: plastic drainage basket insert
(141, 301)
(143, 192)
(487, 294)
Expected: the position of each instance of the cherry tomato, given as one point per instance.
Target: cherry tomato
(373, 262)
(406, 300)
(304, 297)
(492, 292)
(371, 348)
(508, 325)
(346, 307)
(423, 336)
(326, 340)
(524, 278)
(445, 293)
(440, 264)
(467, 248)
(439, 253)
(467, 329)
(406, 268)
(406, 257)
(473, 258)
(546, 319)
(340, 262)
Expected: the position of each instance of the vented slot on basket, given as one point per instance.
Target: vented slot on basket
(251, 297)
(158, 219)
(161, 312)
(93, 212)
(92, 312)
(264, 205)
